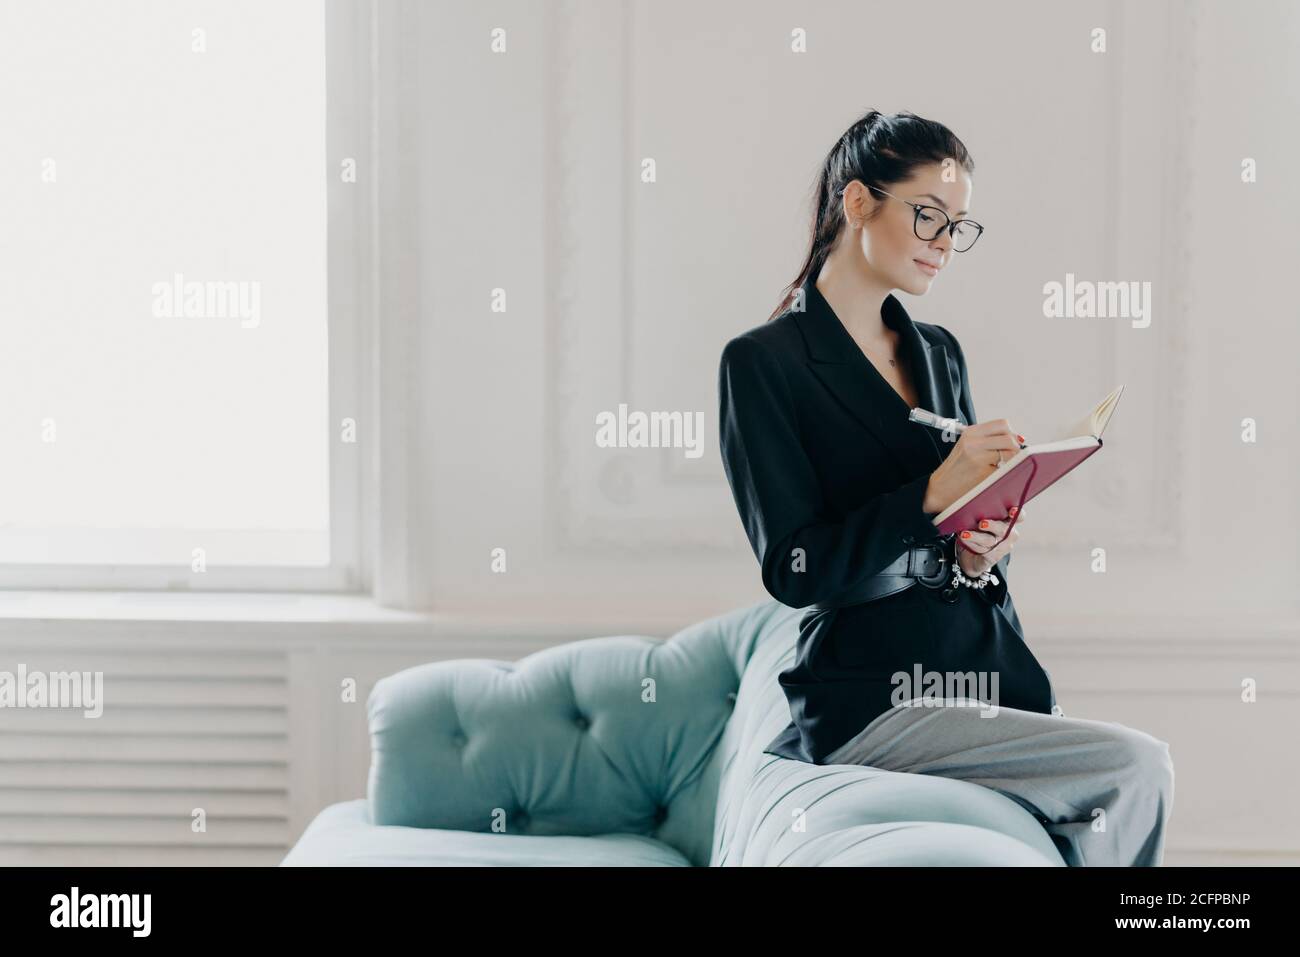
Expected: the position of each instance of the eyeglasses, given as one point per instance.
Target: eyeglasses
(933, 220)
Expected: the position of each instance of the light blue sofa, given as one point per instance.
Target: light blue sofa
(632, 751)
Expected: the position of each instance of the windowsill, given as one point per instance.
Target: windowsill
(317, 615)
(259, 607)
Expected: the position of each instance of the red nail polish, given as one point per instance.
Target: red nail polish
(1020, 437)
(984, 523)
(965, 534)
(1014, 509)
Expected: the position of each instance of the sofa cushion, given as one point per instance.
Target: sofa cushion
(342, 836)
(611, 735)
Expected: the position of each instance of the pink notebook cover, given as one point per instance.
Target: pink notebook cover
(1020, 484)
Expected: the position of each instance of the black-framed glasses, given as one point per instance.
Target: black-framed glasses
(932, 220)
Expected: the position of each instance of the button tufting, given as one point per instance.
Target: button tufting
(521, 818)
(661, 814)
(459, 738)
(582, 722)
(731, 697)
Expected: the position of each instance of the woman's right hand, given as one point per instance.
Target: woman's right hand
(975, 455)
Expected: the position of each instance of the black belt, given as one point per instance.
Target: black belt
(929, 565)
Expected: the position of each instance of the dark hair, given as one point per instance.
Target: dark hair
(879, 150)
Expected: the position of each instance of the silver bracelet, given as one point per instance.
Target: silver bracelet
(985, 578)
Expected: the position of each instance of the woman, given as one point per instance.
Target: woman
(837, 491)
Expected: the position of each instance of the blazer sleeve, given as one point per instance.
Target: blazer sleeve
(779, 496)
(995, 594)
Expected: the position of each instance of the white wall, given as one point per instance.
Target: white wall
(1122, 166)
(1115, 166)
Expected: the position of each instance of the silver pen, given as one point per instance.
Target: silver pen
(936, 421)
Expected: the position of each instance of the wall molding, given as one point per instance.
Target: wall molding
(645, 501)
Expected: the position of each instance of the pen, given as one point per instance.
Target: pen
(936, 421)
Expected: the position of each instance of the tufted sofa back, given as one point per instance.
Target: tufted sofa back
(622, 734)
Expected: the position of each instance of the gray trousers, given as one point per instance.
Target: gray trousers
(1102, 791)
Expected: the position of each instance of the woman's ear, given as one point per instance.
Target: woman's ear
(855, 202)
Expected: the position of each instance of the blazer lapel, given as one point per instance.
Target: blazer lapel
(837, 361)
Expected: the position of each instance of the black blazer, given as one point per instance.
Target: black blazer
(829, 475)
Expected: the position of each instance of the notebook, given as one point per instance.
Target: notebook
(1030, 471)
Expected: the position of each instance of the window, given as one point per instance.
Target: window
(168, 411)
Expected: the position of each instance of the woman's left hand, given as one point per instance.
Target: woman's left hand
(977, 554)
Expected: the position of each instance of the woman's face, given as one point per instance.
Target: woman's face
(891, 251)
